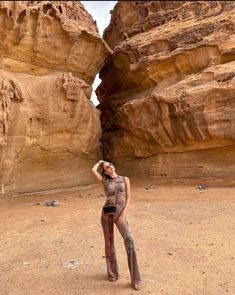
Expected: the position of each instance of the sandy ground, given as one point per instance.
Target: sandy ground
(185, 240)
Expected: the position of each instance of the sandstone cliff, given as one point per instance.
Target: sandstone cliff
(50, 52)
(168, 91)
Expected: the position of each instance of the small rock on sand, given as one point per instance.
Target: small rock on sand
(150, 187)
(73, 263)
(52, 203)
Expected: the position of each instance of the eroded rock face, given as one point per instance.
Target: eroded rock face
(50, 131)
(168, 91)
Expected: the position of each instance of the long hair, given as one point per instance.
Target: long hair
(101, 171)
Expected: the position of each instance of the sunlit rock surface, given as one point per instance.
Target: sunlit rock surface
(168, 91)
(50, 52)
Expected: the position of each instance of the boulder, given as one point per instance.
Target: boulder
(168, 90)
(50, 52)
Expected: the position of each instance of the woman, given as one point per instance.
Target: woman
(117, 190)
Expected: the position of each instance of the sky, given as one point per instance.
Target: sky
(100, 12)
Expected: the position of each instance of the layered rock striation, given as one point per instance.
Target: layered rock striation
(50, 52)
(168, 91)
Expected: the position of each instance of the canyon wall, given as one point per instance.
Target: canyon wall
(168, 90)
(50, 52)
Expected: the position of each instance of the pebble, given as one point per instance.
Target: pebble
(202, 186)
(73, 263)
(52, 203)
(150, 187)
(26, 263)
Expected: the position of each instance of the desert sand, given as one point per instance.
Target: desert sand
(184, 239)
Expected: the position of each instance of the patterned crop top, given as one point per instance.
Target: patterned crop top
(115, 191)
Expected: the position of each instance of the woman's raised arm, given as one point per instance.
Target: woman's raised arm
(94, 171)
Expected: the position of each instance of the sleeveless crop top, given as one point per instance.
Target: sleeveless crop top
(115, 191)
